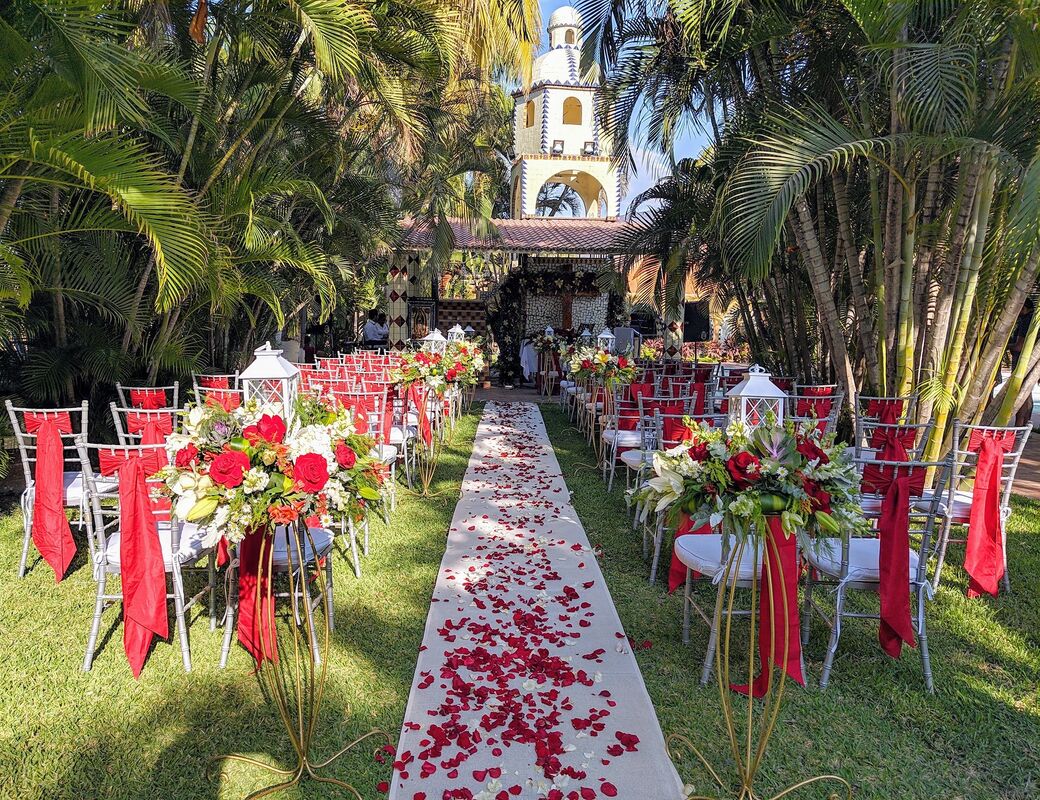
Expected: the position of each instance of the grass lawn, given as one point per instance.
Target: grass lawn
(978, 738)
(69, 734)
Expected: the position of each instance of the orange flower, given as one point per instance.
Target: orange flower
(283, 515)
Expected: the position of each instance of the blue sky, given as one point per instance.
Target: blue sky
(650, 165)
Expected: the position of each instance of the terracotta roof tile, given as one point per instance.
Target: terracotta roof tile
(541, 234)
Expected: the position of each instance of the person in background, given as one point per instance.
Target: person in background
(309, 349)
(384, 329)
(372, 333)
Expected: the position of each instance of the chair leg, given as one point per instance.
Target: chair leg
(95, 625)
(709, 656)
(807, 610)
(211, 576)
(941, 556)
(352, 533)
(1006, 580)
(27, 520)
(922, 640)
(686, 608)
(229, 616)
(832, 645)
(658, 540)
(182, 625)
(328, 590)
(364, 549)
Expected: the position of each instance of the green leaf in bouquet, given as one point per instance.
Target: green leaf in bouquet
(277, 481)
(368, 493)
(203, 508)
(240, 443)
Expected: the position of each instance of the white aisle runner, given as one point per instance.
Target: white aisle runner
(526, 686)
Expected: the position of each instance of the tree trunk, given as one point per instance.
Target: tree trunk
(9, 199)
(829, 317)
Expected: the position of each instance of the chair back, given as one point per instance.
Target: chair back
(872, 437)
(967, 441)
(924, 505)
(890, 408)
(148, 396)
(671, 429)
(132, 423)
(19, 415)
(102, 494)
(213, 380)
(820, 408)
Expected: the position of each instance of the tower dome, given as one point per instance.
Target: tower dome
(564, 28)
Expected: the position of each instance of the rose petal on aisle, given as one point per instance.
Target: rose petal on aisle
(526, 685)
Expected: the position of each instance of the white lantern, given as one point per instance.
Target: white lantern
(271, 381)
(756, 399)
(434, 342)
(585, 337)
(549, 332)
(469, 330)
(606, 339)
(456, 334)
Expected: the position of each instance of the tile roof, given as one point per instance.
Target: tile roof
(534, 235)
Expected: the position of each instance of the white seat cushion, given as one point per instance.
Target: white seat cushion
(571, 388)
(863, 558)
(633, 459)
(322, 543)
(73, 487)
(398, 434)
(192, 545)
(598, 406)
(566, 384)
(703, 553)
(962, 501)
(386, 453)
(624, 438)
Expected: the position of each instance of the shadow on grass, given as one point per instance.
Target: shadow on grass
(978, 738)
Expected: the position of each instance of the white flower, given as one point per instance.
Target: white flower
(255, 480)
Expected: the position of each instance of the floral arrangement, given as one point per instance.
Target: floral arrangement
(611, 368)
(653, 349)
(465, 363)
(236, 471)
(738, 475)
(421, 367)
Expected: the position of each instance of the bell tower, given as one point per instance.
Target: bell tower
(557, 139)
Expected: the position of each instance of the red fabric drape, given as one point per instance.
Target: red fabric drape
(153, 429)
(214, 382)
(812, 407)
(228, 399)
(256, 634)
(148, 398)
(775, 629)
(984, 556)
(892, 444)
(886, 410)
(418, 397)
(50, 527)
(141, 564)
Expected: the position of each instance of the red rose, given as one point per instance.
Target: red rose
(271, 428)
(345, 457)
(228, 468)
(311, 472)
(586, 364)
(251, 433)
(819, 500)
(744, 468)
(186, 456)
(622, 362)
(699, 451)
(812, 451)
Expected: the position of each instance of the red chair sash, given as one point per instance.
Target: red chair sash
(140, 554)
(894, 557)
(228, 399)
(418, 395)
(984, 555)
(256, 632)
(51, 532)
(152, 428)
(637, 390)
(892, 444)
(886, 410)
(817, 391)
(675, 431)
(812, 407)
(702, 374)
(214, 382)
(148, 398)
(780, 570)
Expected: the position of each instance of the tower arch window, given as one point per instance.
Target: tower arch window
(568, 37)
(572, 111)
(529, 114)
